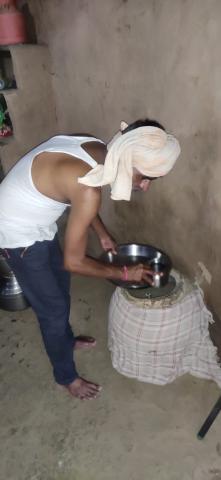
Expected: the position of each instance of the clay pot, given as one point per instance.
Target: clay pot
(12, 24)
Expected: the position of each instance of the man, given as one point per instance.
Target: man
(69, 170)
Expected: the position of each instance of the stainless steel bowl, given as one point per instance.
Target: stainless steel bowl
(134, 253)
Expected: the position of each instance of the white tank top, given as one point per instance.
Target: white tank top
(26, 215)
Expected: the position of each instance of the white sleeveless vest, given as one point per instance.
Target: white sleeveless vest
(26, 215)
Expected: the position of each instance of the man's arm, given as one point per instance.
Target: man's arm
(83, 213)
(85, 210)
(106, 241)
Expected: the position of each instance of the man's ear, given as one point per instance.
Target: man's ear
(123, 125)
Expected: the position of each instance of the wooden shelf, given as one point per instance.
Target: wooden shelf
(8, 91)
(19, 45)
(4, 47)
(30, 66)
(7, 47)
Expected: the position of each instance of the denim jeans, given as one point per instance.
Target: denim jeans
(40, 273)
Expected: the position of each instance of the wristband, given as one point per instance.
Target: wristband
(125, 273)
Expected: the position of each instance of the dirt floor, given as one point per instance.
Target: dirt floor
(133, 431)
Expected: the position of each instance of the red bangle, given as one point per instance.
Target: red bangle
(125, 273)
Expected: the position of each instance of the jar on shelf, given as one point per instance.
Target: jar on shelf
(12, 24)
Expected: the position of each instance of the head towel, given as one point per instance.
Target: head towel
(150, 150)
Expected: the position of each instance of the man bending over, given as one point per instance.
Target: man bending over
(70, 171)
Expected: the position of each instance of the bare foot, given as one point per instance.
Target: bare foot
(83, 341)
(83, 389)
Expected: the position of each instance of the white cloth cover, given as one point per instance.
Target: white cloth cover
(157, 345)
(150, 150)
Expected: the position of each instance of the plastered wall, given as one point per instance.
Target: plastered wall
(126, 59)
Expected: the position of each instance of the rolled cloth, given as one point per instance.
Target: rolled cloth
(150, 150)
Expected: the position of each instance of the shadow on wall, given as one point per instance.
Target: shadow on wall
(29, 20)
(1, 172)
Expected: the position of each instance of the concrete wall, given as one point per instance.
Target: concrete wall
(126, 59)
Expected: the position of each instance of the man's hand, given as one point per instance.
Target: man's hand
(108, 244)
(106, 241)
(140, 273)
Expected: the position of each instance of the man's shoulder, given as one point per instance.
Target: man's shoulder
(68, 173)
(73, 166)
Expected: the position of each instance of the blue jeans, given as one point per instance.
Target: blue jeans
(40, 273)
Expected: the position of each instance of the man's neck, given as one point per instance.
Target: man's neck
(96, 150)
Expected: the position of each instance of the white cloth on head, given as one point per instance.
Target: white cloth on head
(150, 150)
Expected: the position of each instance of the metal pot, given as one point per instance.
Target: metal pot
(134, 253)
(11, 295)
(161, 265)
(5, 269)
